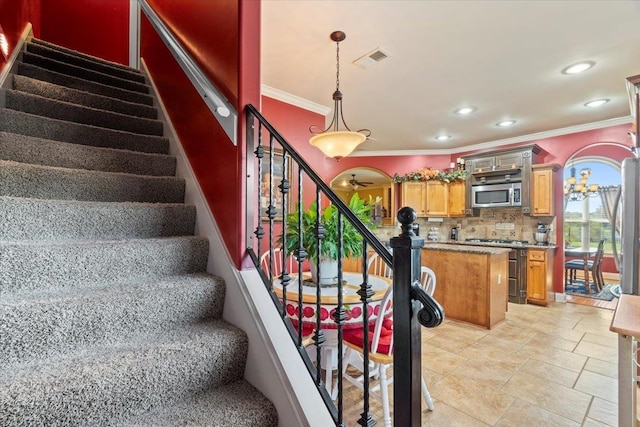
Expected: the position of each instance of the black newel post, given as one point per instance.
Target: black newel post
(406, 329)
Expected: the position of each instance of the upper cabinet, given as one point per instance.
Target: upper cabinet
(414, 194)
(542, 178)
(457, 198)
(480, 164)
(435, 198)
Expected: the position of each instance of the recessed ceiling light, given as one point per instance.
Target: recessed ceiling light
(443, 137)
(465, 110)
(596, 103)
(578, 68)
(506, 123)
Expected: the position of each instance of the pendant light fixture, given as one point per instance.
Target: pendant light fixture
(332, 141)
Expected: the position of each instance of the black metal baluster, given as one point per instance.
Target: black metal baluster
(340, 318)
(285, 279)
(319, 338)
(259, 152)
(365, 292)
(300, 254)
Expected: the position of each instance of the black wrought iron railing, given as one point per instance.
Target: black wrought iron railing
(280, 184)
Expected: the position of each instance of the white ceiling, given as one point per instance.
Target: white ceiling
(503, 57)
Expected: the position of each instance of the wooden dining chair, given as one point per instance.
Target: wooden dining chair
(267, 265)
(594, 267)
(428, 280)
(377, 266)
(380, 358)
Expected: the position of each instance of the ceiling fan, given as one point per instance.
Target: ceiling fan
(354, 183)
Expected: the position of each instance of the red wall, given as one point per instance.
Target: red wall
(96, 27)
(216, 162)
(209, 32)
(14, 16)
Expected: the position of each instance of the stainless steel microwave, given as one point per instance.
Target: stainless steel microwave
(496, 195)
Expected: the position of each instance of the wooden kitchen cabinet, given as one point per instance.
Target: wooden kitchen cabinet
(542, 177)
(436, 200)
(540, 276)
(414, 195)
(457, 198)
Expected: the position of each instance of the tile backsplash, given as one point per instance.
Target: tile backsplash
(506, 223)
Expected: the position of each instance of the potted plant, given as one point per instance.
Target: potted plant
(351, 238)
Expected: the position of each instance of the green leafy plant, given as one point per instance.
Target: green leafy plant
(351, 238)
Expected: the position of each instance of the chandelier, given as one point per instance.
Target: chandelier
(332, 141)
(574, 190)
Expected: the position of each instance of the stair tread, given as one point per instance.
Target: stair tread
(43, 74)
(39, 151)
(49, 323)
(237, 404)
(85, 61)
(63, 295)
(67, 111)
(60, 130)
(82, 54)
(82, 97)
(35, 219)
(85, 73)
(94, 361)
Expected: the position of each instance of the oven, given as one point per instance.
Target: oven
(518, 276)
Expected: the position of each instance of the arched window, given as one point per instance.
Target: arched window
(586, 220)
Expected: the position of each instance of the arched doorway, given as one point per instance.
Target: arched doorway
(368, 182)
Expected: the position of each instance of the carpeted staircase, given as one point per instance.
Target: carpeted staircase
(107, 316)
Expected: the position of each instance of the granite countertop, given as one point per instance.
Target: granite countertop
(495, 245)
(466, 248)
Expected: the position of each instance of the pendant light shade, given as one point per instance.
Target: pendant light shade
(332, 141)
(337, 144)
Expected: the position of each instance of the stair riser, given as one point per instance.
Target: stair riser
(41, 127)
(125, 384)
(79, 61)
(74, 96)
(26, 149)
(37, 105)
(37, 220)
(43, 182)
(80, 84)
(42, 328)
(83, 73)
(30, 267)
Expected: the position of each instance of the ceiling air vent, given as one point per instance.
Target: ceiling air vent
(371, 58)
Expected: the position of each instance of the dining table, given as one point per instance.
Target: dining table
(351, 302)
(584, 254)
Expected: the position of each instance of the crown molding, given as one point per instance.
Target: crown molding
(499, 142)
(283, 96)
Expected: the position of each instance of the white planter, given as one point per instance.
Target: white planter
(328, 272)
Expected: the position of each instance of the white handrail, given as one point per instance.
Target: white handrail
(222, 110)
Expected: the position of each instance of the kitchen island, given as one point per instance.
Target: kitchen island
(471, 281)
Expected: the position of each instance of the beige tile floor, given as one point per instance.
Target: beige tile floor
(543, 366)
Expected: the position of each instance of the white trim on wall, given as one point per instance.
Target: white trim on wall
(134, 34)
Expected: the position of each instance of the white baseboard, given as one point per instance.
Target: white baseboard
(273, 365)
